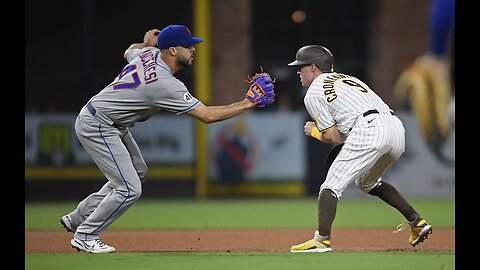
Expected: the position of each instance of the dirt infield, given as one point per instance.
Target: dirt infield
(241, 240)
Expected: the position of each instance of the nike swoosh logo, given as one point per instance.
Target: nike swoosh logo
(87, 246)
(370, 120)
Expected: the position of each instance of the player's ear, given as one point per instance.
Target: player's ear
(173, 51)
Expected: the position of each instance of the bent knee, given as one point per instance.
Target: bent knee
(132, 193)
(136, 193)
(338, 193)
(142, 174)
(367, 186)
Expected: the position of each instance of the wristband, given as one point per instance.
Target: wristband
(316, 133)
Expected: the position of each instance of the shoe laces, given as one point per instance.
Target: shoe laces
(402, 227)
(99, 242)
(325, 243)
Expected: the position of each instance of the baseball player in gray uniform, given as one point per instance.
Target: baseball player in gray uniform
(345, 110)
(145, 86)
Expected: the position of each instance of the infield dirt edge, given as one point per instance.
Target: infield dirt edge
(241, 240)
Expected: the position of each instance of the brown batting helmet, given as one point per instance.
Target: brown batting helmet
(314, 54)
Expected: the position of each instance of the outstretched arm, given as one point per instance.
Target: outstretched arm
(259, 94)
(211, 114)
(149, 40)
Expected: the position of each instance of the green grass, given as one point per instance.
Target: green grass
(232, 261)
(248, 213)
(245, 213)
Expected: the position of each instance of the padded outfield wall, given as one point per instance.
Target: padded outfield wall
(242, 159)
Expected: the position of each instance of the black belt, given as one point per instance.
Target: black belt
(93, 111)
(373, 111)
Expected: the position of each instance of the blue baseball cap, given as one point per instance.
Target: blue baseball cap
(176, 35)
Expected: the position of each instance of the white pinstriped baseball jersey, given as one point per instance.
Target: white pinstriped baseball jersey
(372, 142)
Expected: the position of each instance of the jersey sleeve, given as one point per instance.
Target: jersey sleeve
(132, 54)
(318, 110)
(176, 99)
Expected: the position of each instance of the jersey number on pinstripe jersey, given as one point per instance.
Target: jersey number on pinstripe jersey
(355, 84)
(127, 70)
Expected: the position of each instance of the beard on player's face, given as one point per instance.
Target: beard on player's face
(184, 61)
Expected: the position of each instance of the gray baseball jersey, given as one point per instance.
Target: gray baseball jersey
(374, 137)
(144, 87)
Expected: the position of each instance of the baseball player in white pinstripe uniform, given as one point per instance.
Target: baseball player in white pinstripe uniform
(145, 86)
(345, 110)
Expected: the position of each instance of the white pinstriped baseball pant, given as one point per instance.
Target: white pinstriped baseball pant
(375, 142)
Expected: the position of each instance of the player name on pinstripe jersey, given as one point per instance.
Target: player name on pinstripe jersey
(338, 99)
(328, 85)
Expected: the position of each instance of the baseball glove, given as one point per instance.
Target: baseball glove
(332, 155)
(261, 89)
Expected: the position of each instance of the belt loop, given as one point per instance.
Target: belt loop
(101, 117)
(91, 109)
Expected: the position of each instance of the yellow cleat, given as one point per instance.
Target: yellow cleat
(419, 230)
(313, 245)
